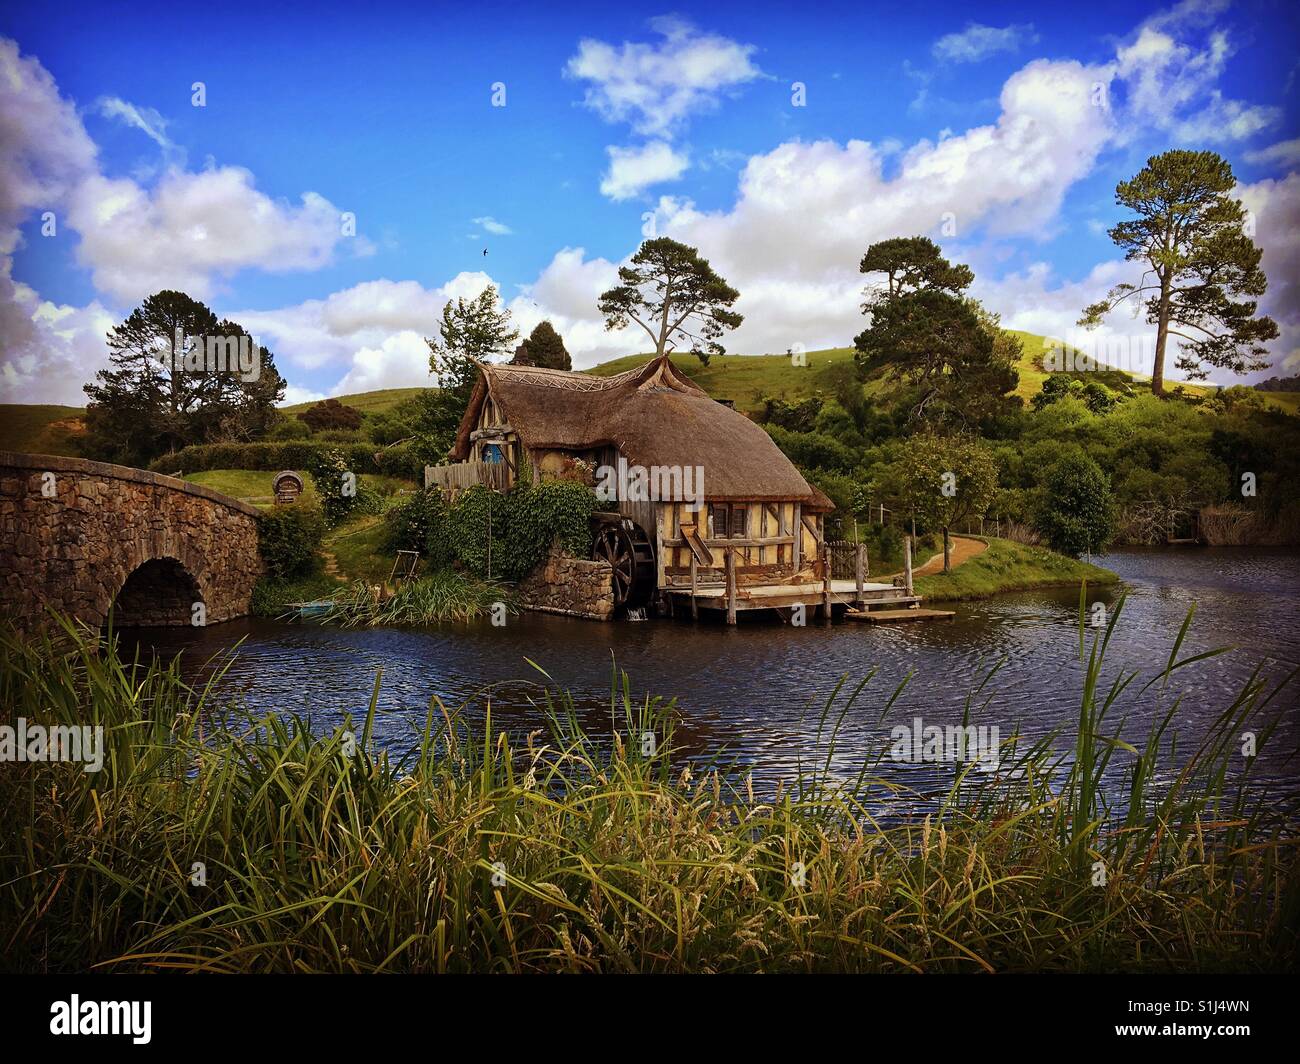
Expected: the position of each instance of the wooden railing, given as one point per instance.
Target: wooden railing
(456, 476)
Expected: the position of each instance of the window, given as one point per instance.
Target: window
(730, 521)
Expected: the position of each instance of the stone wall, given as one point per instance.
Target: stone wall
(72, 532)
(575, 586)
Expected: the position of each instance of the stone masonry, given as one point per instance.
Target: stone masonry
(78, 536)
(578, 587)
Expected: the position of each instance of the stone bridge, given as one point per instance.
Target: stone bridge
(86, 537)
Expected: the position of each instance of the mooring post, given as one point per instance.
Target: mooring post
(907, 563)
(695, 606)
(860, 563)
(826, 585)
(731, 586)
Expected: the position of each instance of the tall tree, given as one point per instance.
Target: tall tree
(910, 264)
(176, 378)
(470, 332)
(674, 295)
(957, 363)
(544, 347)
(1202, 280)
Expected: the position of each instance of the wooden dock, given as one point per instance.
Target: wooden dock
(898, 616)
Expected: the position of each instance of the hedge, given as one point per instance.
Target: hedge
(289, 454)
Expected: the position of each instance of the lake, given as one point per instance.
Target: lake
(756, 691)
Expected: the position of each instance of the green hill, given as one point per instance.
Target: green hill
(39, 429)
(745, 379)
(380, 402)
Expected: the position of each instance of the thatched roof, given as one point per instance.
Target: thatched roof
(653, 414)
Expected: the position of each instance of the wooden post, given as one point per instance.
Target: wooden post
(907, 564)
(860, 564)
(826, 585)
(731, 586)
(695, 606)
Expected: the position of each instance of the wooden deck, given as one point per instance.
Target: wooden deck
(899, 616)
(784, 596)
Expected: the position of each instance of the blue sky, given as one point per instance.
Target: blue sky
(972, 126)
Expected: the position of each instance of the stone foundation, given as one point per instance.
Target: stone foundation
(78, 536)
(577, 587)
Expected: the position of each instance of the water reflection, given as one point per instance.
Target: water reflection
(757, 691)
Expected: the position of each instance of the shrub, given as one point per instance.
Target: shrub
(1076, 513)
(288, 538)
(331, 414)
(420, 524)
(338, 488)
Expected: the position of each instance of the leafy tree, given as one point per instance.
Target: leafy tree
(545, 348)
(1076, 514)
(330, 414)
(175, 379)
(674, 295)
(470, 333)
(1202, 280)
(957, 361)
(945, 480)
(911, 264)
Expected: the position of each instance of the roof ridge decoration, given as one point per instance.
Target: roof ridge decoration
(564, 380)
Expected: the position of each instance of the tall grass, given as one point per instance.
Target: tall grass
(445, 595)
(563, 851)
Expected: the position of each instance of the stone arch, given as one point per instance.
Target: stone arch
(158, 592)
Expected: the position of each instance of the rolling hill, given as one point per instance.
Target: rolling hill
(743, 379)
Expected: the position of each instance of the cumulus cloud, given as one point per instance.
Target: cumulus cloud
(192, 230)
(188, 230)
(633, 170)
(655, 87)
(1169, 85)
(977, 42)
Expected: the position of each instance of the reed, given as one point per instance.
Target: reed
(563, 851)
(445, 595)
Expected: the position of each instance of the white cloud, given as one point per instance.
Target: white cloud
(1169, 86)
(977, 42)
(493, 226)
(193, 230)
(655, 87)
(189, 230)
(146, 119)
(1284, 153)
(632, 170)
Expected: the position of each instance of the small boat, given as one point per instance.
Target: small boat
(309, 610)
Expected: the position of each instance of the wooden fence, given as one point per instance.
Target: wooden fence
(457, 476)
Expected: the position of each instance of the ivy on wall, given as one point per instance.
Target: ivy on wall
(511, 532)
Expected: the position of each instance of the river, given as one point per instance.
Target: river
(756, 691)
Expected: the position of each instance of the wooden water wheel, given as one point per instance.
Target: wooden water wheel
(627, 549)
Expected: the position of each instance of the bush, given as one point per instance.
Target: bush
(288, 538)
(420, 524)
(1076, 513)
(340, 492)
(331, 414)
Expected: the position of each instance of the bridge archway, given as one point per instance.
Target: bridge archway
(159, 592)
(81, 537)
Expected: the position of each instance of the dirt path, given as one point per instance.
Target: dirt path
(963, 549)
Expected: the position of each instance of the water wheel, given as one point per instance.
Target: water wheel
(627, 549)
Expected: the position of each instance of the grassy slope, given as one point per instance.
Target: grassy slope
(746, 378)
(38, 429)
(379, 402)
(1008, 566)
